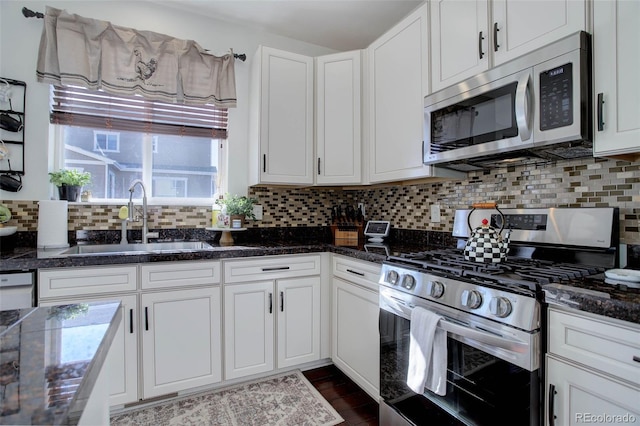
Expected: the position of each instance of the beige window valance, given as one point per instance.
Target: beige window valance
(79, 51)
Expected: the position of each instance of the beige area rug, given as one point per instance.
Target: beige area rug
(283, 400)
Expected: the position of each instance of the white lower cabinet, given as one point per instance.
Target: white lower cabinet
(356, 339)
(177, 328)
(180, 340)
(253, 313)
(593, 373)
(274, 322)
(123, 354)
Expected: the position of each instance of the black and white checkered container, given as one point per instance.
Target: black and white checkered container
(485, 246)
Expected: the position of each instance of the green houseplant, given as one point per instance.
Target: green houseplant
(238, 206)
(69, 182)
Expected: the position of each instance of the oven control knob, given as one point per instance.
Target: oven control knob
(436, 289)
(408, 282)
(472, 299)
(500, 307)
(392, 277)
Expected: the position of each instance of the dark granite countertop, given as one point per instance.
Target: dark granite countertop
(591, 294)
(44, 350)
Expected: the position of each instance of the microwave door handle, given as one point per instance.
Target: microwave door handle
(483, 337)
(523, 108)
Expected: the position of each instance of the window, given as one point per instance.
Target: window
(177, 162)
(106, 141)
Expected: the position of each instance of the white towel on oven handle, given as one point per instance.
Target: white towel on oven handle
(427, 353)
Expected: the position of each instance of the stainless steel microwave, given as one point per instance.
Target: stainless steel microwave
(538, 105)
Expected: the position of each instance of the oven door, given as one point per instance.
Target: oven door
(490, 119)
(482, 388)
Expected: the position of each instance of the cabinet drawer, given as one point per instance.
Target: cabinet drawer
(179, 274)
(65, 282)
(612, 348)
(270, 268)
(364, 273)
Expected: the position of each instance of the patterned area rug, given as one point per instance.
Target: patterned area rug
(284, 400)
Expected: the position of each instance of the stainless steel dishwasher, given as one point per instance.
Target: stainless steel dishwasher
(17, 290)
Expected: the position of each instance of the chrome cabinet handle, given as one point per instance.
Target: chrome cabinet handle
(600, 112)
(551, 408)
(495, 37)
(480, 52)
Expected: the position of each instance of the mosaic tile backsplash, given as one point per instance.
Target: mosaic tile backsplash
(578, 183)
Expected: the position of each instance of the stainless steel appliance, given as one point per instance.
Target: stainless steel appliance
(538, 105)
(16, 290)
(493, 314)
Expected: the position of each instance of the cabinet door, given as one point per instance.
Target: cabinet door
(521, 26)
(398, 63)
(181, 344)
(298, 321)
(338, 142)
(580, 396)
(123, 354)
(616, 43)
(248, 329)
(356, 340)
(459, 40)
(286, 117)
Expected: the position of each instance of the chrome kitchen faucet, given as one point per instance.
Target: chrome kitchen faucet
(145, 230)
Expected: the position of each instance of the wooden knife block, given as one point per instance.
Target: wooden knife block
(347, 233)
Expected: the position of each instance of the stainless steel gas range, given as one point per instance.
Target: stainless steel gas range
(493, 314)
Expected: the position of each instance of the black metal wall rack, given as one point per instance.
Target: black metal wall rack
(14, 107)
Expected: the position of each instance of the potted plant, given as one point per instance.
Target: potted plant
(69, 182)
(238, 207)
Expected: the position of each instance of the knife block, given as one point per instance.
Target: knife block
(347, 233)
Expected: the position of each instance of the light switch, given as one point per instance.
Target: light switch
(257, 212)
(435, 213)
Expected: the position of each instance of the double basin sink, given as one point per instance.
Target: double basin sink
(137, 248)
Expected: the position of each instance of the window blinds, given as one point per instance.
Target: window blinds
(76, 106)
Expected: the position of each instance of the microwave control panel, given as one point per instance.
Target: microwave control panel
(556, 94)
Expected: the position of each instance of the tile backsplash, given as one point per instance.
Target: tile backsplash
(577, 183)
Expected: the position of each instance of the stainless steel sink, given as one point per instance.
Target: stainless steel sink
(137, 248)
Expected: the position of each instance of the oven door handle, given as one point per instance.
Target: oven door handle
(483, 336)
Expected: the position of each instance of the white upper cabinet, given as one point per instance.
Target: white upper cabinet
(616, 38)
(471, 36)
(459, 40)
(338, 143)
(520, 26)
(398, 83)
(281, 122)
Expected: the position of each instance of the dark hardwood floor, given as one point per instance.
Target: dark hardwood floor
(354, 405)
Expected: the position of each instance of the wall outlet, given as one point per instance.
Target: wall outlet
(435, 213)
(361, 207)
(257, 212)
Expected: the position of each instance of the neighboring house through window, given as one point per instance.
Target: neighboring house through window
(106, 141)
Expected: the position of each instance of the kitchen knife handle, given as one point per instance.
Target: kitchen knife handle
(550, 405)
(495, 37)
(480, 52)
(318, 165)
(484, 205)
(600, 112)
(264, 163)
(146, 318)
(282, 301)
(131, 321)
(270, 303)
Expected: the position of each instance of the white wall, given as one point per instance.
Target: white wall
(20, 38)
